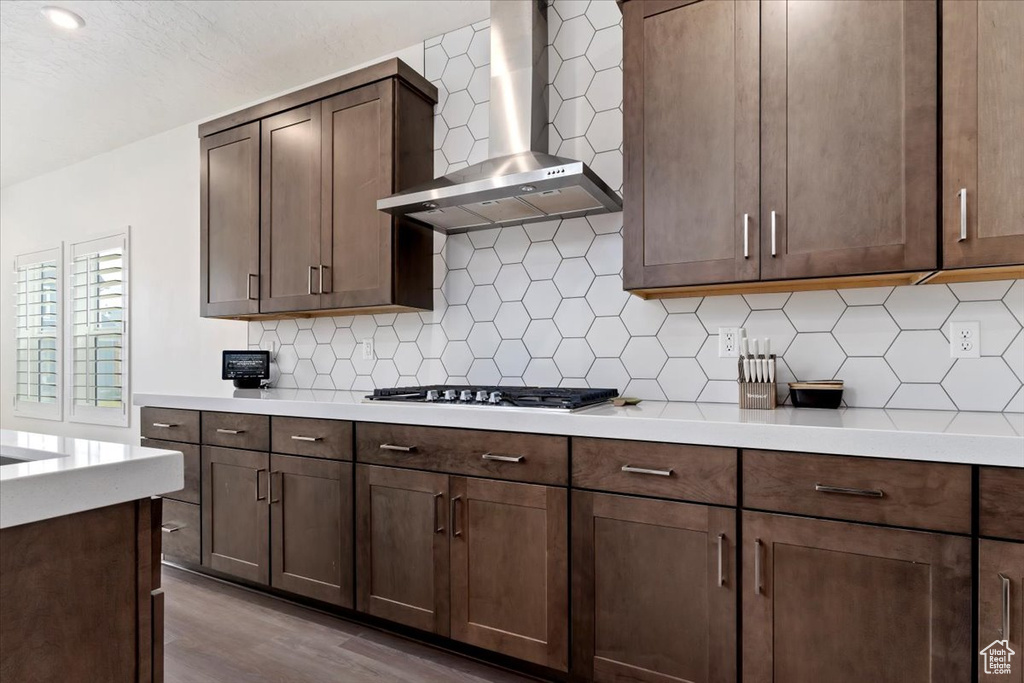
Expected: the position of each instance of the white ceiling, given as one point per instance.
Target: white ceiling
(139, 68)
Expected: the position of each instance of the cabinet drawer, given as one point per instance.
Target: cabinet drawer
(237, 430)
(915, 494)
(315, 438)
(704, 474)
(1001, 506)
(170, 424)
(190, 492)
(180, 531)
(499, 455)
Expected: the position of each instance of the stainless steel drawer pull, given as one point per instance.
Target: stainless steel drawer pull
(296, 437)
(395, 447)
(644, 470)
(774, 221)
(746, 235)
(171, 527)
(452, 517)
(758, 585)
(868, 493)
(721, 560)
(1006, 606)
(230, 431)
(309, 281)
(962, 194)
(164, 425)
(502, 458)
(248, 289)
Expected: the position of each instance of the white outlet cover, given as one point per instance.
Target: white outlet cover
(729, 342)
(368, 349)
(964, 339)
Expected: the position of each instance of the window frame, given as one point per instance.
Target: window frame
(32, 409)
(100, 415)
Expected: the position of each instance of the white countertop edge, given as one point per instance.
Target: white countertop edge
(935, 436)
(77, 479)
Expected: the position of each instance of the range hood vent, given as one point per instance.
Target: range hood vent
(520, 182)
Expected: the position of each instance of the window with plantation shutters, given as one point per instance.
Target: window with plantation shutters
(97, 324)
(38, 334)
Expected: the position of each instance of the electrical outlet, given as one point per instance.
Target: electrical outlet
(368, 349)
(271, 346)
(964, 340)
(729, 342)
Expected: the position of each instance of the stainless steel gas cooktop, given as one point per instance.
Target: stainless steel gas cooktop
(550, 398)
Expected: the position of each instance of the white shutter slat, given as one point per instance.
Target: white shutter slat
(37, 328)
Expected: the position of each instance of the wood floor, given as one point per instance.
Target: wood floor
(218, 633)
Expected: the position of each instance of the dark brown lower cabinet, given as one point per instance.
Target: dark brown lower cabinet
(848, 603)
(1001, 605)
(236, 531)
(653, 589)
(311, 528)
(509, 569)
(402, 551)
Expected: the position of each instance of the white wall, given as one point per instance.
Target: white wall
(153, 186)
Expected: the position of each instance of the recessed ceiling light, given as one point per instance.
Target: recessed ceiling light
(63, 17)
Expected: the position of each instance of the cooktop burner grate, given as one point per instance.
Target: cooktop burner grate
(556, 398)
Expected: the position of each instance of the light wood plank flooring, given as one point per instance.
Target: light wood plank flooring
(218, 633)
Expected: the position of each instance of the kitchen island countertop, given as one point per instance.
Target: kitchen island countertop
(939, 436)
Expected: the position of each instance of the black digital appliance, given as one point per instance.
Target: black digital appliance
(248, 369)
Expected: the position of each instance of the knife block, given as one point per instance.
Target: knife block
(757, 395)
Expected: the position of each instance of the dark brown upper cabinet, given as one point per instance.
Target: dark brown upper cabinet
(691, 135)
(289, 190)
(849, 114)
(229, 220)
(983, 143)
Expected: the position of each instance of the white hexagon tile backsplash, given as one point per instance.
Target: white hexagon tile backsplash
(543, 303)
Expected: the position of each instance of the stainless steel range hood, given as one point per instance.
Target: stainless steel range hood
(520, 182)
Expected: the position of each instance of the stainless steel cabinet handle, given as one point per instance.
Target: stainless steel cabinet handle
(309, 281)
(164, 425)
(746, 235)
(280, 486)
(644, 470)
(258, 478)
(248, 287)
(438, 527)
(721, 559)
(393, 447)
(296, 437)
(774, 221)
(171, 527)
(1006, 606)
(869, 493)
(962, 194)
(322, 269)
(230, 431)
(452, 517)
(758, 586)
(502, 458)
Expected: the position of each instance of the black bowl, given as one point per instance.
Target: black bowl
(816, 398)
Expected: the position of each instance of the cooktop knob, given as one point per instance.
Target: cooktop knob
(495, 397)
(466, 395)
(450, 395)
(481, 396)
(432, 395)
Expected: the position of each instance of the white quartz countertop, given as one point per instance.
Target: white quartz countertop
(940, 436)
(61, 476)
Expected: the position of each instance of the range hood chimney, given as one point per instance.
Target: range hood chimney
(520, 182)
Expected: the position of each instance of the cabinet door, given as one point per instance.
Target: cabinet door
(1001, 603)
(402, 546)
(356, 242)
(290, 216)
(848, 603)
(234, 510)
(691, 140)
(509, 569)
(311, 528)
(229, 222)
(849, 99)
(982, 138)
(654, 590)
